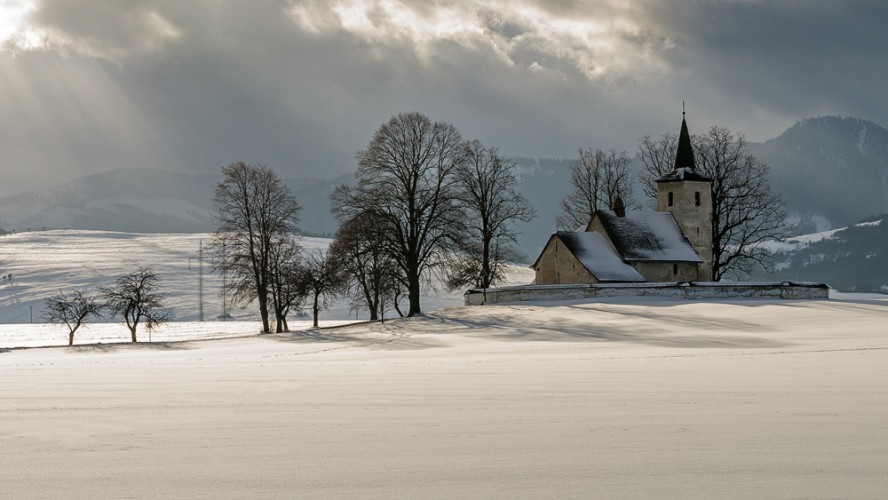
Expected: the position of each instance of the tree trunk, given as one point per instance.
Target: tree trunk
(413, 294)
(263, 310)
(314, 311)
(279, 320)
(485, 260)
(71, 338)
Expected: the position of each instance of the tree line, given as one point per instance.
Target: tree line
(427, 204)
(430, 207)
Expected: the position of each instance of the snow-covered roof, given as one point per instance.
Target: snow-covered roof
(597, 256)
(647, 236)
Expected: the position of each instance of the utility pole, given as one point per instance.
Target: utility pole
(200, 312)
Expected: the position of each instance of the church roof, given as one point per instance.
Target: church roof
(685, 167)
(647, 236)
(597, 256)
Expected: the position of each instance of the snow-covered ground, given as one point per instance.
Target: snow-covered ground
(43, 262)
(628, 398)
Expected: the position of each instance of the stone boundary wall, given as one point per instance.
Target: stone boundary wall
(785, 290)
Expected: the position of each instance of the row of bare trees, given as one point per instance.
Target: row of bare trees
(135, 296)
(258, 250)
(426, 203)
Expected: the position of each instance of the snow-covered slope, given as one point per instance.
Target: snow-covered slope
(36, 264)
(853, 258)
(43, 262)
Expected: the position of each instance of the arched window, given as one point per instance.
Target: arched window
(670, 198)
(697, 198)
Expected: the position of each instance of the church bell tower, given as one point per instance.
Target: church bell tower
(687, 194)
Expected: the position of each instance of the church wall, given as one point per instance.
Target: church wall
(694, 220)
(666, 271)
(558, 265)
(682, 291)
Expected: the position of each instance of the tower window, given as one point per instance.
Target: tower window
(697, 198)
(670, 198)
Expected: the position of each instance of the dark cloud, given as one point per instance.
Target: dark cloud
(302, 85)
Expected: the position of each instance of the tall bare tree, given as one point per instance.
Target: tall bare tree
(598, 178)
(360, 250)
(493, 207)
(254, 211)
(73, 309)
(136, 296)
(745, 212)
(406, 178)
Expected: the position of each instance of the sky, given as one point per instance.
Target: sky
(88, 86)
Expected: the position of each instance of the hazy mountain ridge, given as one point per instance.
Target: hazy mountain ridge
(831, 172)
(148, 201)
(831, 168)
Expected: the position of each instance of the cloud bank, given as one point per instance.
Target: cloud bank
(89, 85)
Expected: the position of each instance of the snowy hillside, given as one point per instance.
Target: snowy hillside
(36, 264)
(853, 258)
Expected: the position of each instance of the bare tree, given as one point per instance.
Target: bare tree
(406, 178)
(322, 279)
(493, 207)
(598, 178)
(360, 250)
(73, 309)
(657, 158)
(287, 290)
(137, 298)
(254, 211)
(745, 212)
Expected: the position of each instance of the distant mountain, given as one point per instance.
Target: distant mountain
(831, 171)
(853, 259)
(148, 201)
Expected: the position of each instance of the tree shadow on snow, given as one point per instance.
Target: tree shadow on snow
(132, 346)
(638, 325)
(390, 335)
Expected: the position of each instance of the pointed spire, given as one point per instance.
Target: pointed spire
(685, 167)
(684, 154)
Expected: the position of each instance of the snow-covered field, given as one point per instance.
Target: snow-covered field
(621, 398)
(640, 398)
(43, 262)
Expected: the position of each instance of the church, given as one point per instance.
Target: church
(672, 243)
